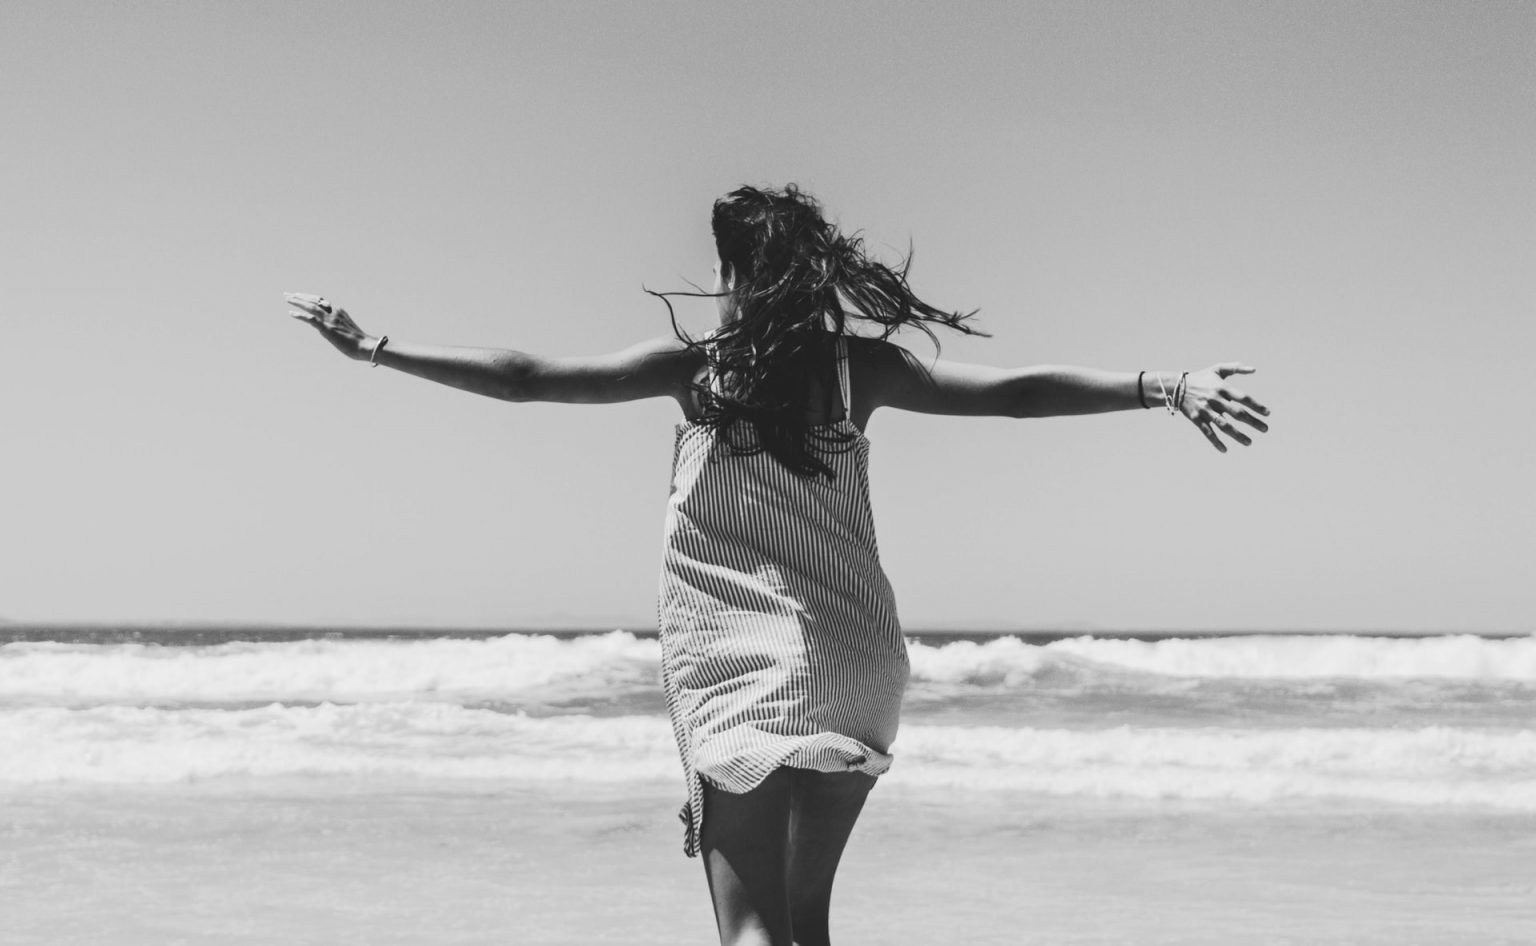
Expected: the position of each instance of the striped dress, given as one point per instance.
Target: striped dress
(779, 637)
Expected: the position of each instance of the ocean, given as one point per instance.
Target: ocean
(1295, 788)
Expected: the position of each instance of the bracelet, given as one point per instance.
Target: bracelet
(1163, 390)
(378, 346)
(1180, 390)
(1141, 392)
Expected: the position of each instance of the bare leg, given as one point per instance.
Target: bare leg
(771, 854)
(744, 842)
(826, 805)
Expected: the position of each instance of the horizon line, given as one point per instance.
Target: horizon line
(648, 629)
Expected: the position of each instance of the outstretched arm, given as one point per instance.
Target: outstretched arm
(1205, 397)
(657, 368)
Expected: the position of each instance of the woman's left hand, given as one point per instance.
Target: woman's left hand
(330, 321)
(1214, 405)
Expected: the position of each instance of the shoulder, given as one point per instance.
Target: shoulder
(872, 350)
(874, 366)
(663, 346)
(675, 365)
(875, 361)
(666, 354)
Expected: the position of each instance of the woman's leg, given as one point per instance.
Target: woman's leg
(825, 807)
(771, 854)
(744, 842)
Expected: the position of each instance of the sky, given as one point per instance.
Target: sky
(1339, 194)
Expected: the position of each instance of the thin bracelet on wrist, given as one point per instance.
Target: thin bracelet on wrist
(378, 346)
(1141, 392)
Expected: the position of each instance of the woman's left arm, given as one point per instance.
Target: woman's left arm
(1206, 397)
(897, 378)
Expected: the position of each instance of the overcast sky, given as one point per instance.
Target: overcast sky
(1340, 194)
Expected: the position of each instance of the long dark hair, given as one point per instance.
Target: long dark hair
(798, 281)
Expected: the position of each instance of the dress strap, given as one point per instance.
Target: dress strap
(843, 385)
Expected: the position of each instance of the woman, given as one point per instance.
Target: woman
(782, 659)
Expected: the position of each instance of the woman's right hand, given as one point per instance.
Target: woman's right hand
(331, 322)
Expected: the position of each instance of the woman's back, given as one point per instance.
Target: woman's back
(780, 640)
(820, 386)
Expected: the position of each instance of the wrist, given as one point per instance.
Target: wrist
(1159, 386)
(376, 353)
(1153, 388)
(1166, 389)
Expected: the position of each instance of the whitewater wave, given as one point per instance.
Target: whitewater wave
(131, 744)
(1009, 660)
(446, 669)
(460, 670)
(1460, 657)
(1435, 766)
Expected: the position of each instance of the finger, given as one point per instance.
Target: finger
(1219, 406)
(301, 315)
(308, 301)
(1227, 369)
(317, 324)
(1233, 394)
(1210, 434)
(1247, 418)
(1228, 428)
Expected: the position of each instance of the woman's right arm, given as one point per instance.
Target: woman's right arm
(662, 367)
(897, 378)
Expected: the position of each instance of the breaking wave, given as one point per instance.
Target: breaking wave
(462, 670)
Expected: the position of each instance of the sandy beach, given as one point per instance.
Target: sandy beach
(413, 861)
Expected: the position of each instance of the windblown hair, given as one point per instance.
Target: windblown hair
(798, 283)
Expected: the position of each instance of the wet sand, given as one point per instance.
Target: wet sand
(414, 862)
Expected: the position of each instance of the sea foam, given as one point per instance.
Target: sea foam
(1008, 660)
(1435, 766)
(449, 669)
(1463, 657)
(462, 670)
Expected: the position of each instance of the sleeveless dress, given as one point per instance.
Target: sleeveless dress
(779, 637)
